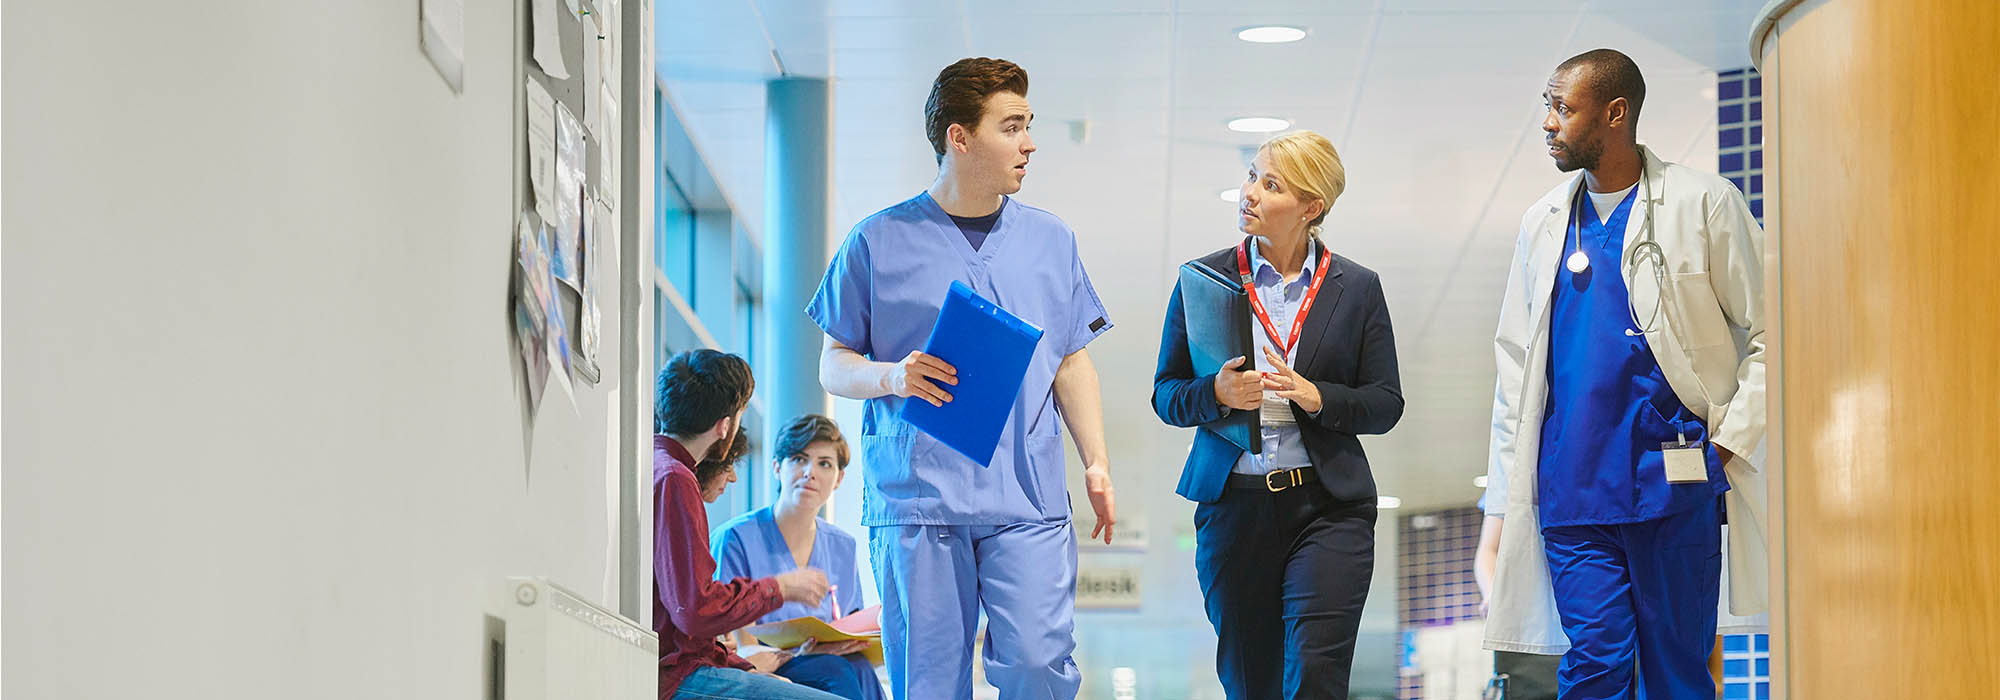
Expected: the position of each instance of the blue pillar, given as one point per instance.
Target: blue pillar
(798, 151)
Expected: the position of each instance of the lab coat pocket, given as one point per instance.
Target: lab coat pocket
(1697, 315)
(1705, 335)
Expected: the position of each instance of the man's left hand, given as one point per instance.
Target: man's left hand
(1097, 483)
(1722, 452)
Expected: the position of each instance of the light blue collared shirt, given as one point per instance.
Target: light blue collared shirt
(1282, 446)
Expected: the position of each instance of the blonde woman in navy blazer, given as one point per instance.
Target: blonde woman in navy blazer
(1285, 538)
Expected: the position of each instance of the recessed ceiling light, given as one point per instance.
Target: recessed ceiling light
(1258, 125)
(1388, 503)
(1271, 34)
(1479, 481)
(1231, 195)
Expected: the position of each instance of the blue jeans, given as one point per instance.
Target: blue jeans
(730, 684)
(849, 676)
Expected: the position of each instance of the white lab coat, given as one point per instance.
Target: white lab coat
(1709, 341)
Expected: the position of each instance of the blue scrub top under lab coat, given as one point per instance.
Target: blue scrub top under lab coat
(881, 296)
(1610, 406)
(750, 546)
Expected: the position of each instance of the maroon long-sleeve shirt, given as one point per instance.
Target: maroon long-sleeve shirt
(690, 608)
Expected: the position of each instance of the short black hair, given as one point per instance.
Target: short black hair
(1609, 76)
(698, 388)
(958, 96)
(805, 430)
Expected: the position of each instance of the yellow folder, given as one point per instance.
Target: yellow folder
(794, 632)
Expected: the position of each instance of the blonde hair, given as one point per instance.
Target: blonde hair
(1306, 162)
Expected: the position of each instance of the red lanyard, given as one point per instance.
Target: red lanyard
(1257, 305)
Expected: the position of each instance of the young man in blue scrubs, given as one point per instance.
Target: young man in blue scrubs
(948, 536)
(1630, 404)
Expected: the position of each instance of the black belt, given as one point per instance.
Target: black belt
(1275, 481)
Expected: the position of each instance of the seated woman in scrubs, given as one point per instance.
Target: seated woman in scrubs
(810, 459)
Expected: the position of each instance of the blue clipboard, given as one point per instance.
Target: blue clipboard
(990, 348)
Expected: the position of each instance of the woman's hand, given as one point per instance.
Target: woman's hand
(1289, 385)
(1238, 390)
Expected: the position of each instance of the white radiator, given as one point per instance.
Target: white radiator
(560, 646)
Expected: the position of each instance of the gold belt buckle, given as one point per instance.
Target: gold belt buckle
(1291, 475)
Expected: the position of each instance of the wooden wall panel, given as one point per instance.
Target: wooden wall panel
(1886, 144)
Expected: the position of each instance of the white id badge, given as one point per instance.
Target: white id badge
(1687, 462)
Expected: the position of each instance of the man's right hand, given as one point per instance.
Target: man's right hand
(807, 586)
(1243, 391)
(918, 375)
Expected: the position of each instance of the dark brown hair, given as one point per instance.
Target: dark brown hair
(711, 468)
(959, 95)
(697, 388)
(806, 430)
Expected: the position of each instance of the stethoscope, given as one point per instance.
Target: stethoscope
(1647, 249)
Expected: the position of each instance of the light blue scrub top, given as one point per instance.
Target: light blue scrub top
(750, 546)
(880, 297)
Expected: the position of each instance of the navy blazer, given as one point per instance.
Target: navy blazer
(1346, 349)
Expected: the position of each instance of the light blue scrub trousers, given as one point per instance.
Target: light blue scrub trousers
(934, 581)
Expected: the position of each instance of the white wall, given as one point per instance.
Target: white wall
(265, 430)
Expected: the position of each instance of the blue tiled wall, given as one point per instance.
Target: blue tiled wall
(1739, 118)
(1434, 584)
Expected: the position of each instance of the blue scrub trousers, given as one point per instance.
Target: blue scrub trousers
(1638, 603)
(848, 676)
(935, 579)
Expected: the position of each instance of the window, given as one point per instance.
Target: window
(705, 286)
(673, 247)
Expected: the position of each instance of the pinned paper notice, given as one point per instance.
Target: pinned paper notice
(548, 42)
(542, 149)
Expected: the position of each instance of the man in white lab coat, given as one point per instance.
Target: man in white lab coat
(1629, 405)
